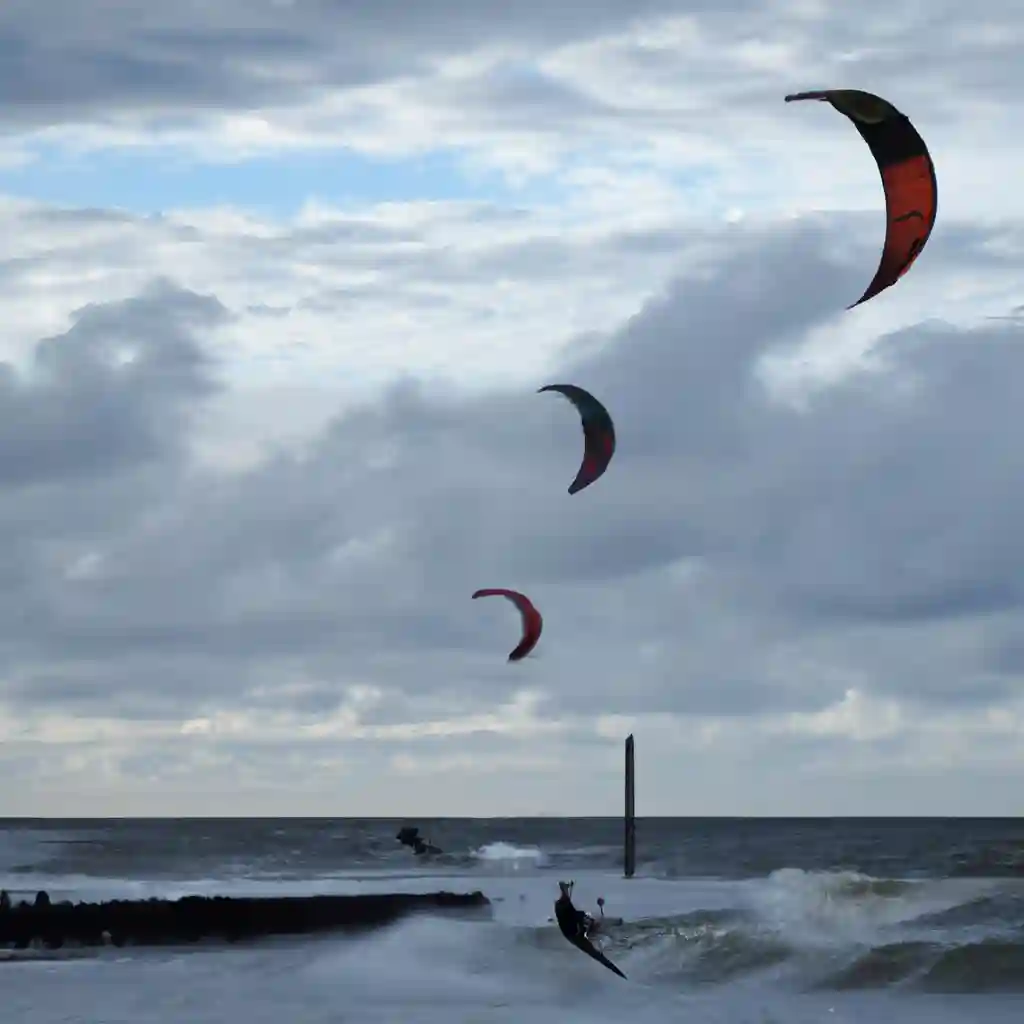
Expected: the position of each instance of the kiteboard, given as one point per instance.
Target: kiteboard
(584, 945)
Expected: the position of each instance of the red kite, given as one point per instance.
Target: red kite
(532, 622)
(908, 177)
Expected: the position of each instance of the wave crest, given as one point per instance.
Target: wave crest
(507, 852)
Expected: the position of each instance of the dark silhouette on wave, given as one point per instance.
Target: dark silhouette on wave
(410, 836)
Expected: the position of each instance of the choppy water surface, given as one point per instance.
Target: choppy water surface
(727, 921)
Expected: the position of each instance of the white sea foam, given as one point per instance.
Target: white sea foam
(508, 853)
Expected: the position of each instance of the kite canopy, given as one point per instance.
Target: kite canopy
(532, 621)
(908, 177)
(598, 433)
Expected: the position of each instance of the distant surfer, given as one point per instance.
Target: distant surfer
(577, 926)
(409, 836)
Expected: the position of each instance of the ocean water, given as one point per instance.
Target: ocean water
(726, 922)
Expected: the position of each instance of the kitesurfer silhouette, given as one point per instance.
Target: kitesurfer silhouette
(409, 836)
(572, 923)
(576, 925)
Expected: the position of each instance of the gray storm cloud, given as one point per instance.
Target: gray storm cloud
(66, 63)
(732, 560)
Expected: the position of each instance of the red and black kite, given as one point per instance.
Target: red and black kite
(598, 433)
(532, 622)
(908, 176)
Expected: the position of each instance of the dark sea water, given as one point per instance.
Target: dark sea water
(666, 847)
(726, 920)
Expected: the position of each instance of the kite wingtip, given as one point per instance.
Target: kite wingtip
(814, 94)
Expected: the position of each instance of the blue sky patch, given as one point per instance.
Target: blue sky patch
(151, 181)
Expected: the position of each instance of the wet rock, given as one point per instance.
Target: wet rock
(218, 918)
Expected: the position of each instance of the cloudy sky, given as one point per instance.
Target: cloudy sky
(280, 280)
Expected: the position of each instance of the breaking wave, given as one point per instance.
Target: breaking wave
(511, 854)
(835, 931)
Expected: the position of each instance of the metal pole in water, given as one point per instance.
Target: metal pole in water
(629, 851)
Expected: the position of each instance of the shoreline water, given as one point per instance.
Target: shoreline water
(724, 923)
